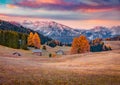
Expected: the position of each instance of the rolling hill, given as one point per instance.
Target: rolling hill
(100, 68)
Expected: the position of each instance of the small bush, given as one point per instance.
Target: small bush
(44, 48)
(53, 55)
(50, 55)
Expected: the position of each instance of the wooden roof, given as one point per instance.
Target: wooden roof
(36, 50)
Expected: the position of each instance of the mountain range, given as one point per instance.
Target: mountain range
(66, 34)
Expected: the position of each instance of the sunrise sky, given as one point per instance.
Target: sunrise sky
(74, 13)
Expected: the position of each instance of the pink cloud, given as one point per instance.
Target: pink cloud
(38, 3)
(66, 5)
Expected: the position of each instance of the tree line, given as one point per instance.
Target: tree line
(13, 39)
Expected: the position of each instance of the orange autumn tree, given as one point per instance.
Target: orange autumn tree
(74, 48)
(80, 45)
(30, 37)
(36, 40)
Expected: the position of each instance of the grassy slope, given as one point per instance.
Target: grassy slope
(80, 69)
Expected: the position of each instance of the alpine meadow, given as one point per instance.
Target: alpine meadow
(59, 42)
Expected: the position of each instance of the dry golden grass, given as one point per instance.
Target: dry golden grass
(81, 69)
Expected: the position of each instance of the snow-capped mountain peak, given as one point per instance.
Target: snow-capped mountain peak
(66, 34)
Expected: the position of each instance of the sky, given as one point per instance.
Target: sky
(83, 14)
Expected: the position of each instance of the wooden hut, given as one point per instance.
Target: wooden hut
(37, 52)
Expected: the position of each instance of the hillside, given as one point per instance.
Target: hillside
(13, 26)
(80, 69)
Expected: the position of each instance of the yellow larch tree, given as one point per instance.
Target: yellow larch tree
(36, 40)
(29, 41)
